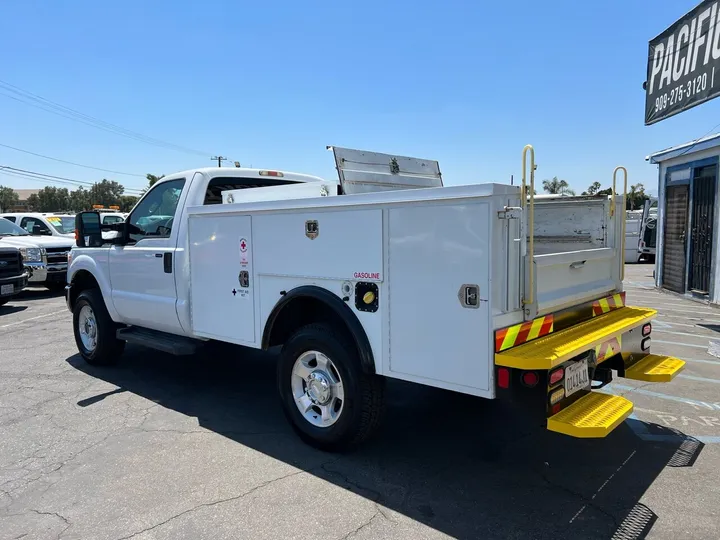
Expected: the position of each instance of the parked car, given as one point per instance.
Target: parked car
(108, 218)
(13, 277)
(45, 256)
(44, 224)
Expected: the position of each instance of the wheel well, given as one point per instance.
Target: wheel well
(82, 281)
(315, 305)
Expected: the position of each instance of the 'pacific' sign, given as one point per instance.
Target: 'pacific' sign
(684, 64)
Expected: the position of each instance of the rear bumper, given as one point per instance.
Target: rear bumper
(551, 351)
(617, 341)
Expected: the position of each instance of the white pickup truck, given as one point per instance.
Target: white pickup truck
(477, 288)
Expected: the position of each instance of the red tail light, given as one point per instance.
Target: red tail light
(530, 378)
(504, 377)
(646, 329)
(556, 376)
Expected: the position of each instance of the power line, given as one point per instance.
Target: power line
(70, 162)
(42, 177)
(78, 119)
(696, 141)
(47, 105)
(220, 159)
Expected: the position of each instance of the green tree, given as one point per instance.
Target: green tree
(80, 200)
(8, 198)
(557, 187)
(107, 193)
(53, 199)
(127, 202)
(593, 189)
(636, 197)
(151, 178)
(33, 202)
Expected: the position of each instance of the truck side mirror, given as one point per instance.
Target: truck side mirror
(88, 232)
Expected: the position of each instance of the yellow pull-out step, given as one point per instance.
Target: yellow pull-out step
(655, 368)
(554, 349)
(593, 416)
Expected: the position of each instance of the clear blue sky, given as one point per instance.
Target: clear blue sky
(271, 83)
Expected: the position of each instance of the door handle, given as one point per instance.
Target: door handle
(167, 262)
(159, 255)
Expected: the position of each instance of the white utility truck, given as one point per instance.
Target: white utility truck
(477, 288)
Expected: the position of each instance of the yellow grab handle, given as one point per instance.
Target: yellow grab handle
(612, 213)
(529, 297)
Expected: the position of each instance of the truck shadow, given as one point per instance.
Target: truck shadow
(467, 467)
(39, 293)
(9, 308)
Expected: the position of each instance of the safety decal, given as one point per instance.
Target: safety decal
(608, 349)
(518, 334)
(243, 251)
(609, 303)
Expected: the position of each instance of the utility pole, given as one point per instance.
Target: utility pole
(220, 159)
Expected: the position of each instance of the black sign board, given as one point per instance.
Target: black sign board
(684, 64)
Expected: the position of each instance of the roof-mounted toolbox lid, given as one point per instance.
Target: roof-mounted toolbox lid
(361, 171)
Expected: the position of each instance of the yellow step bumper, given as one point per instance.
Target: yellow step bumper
(558, 347)
(593, 416)
(655, 368)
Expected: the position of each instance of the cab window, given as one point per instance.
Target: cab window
(10, 218)
(216, 186)
(109, 220)
(154, 215)
(35, 226)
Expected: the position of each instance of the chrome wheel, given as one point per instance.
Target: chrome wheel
(317, 389)
(87, 328)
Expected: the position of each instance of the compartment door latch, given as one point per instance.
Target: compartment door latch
(469, 296)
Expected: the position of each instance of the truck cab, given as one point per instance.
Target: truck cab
(149, 271)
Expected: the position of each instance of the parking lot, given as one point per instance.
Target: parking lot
(164, 447)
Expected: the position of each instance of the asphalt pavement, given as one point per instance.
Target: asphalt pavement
(172, 448)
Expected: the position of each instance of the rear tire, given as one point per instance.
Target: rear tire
(95, 331)
(350, 405)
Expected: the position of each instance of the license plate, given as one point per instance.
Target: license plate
(7, 289)
(576, 377)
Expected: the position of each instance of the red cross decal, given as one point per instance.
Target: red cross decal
(243, 245)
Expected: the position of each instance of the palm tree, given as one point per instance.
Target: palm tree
(557, 187)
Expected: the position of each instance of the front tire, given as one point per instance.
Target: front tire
(327, 398)
(95, 331)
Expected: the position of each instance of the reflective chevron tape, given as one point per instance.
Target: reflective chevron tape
(518, 334)
(608, 349)
(607, 304)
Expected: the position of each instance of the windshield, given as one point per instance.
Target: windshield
(62, 224)
(8, 228)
